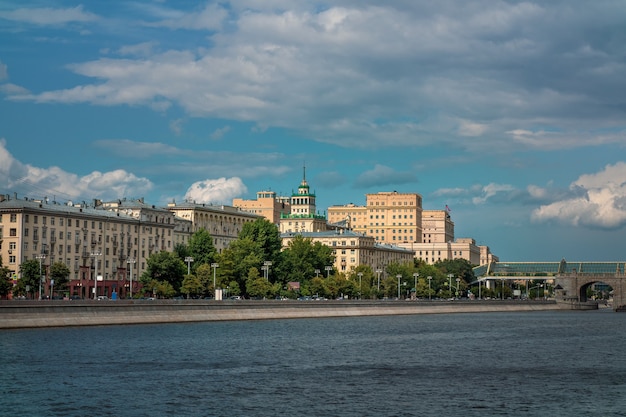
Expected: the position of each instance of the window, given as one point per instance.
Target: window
(13, 232)
(13, 218)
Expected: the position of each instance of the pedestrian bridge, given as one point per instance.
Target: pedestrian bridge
(571, 279)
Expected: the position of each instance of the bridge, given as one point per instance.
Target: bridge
(571, 279)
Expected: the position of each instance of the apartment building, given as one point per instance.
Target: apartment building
(223, 222)
(389, 217)
(97, 239)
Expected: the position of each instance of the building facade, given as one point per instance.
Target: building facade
(353, 249)
(267, 204)
(103, 240)
(389, 217)
(222, 222)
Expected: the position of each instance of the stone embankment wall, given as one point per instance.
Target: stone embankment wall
(27, 314)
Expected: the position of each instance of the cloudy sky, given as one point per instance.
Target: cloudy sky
(511, 113)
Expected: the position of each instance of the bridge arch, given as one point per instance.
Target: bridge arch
(571, 279)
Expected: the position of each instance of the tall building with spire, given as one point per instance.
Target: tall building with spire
(303, 216)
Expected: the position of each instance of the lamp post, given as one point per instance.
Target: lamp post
(378, 271)
(41, 257)
(450, 284)
(94, 255)
(189, 260)
(415, 275)
(398, 276)
(317, 273)
(266, 268)
(130, 262)
(429, 279)
(214, 265)
(360, 274)
(458, 280)
(328, 269)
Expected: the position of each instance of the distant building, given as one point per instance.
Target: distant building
(267, 204)
(398, 219)
(222, 222)
(354, 249)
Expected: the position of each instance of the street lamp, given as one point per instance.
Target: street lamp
(328, 268)
(415, 275)
(429, 279)
(94, 255)
(457, 287)
(266, 268)
(360, 274)
(450, 284)
(214, 265)
(398, 276)
(189, 260)
(317, 273)
(130, 262)
(378, 271)
(41, 257)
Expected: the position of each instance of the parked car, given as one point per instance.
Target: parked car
(102, 298)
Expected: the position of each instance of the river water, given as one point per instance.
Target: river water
(556, 363)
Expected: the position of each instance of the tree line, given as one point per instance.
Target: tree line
(256, 266)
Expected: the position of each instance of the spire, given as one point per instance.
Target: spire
(304, 172)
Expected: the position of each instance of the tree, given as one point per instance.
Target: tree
(201, 248)
(60, 273)
(192, 286)
(302, 257)
(164, 267)
(30, 276)
(6, 281)
(257, 286)
(236, 261)
(266, 235)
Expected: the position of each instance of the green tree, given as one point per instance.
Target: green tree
(164, 267)
(201, 248)
(257, 286)
(302, 257)
(192, 286)
(60, 273)
(266, 235)
(30, 277)
(236, 260)
(6, 281)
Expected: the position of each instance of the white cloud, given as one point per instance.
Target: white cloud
(218, 191)
(369, 75)
(601, 201)
(12, 89)
(384, 176)
(219, 133)
(49, 16)
(490, 190)
(29, 179)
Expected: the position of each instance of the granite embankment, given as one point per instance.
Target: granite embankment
(32, 314)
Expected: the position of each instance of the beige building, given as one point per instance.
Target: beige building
(353, 249)
(98, 239)
(223, 222)
(389, 217)
(398, 219)
(267, 204)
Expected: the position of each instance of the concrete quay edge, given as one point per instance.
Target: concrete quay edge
(20, 315)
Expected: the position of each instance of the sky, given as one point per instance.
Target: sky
(511, 113)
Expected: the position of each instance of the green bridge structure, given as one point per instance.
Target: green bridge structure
(571, 279)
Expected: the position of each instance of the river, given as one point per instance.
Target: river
(552, 363)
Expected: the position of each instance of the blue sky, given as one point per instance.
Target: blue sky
(511, 113)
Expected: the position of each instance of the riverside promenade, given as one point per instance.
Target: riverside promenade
(59, 313)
